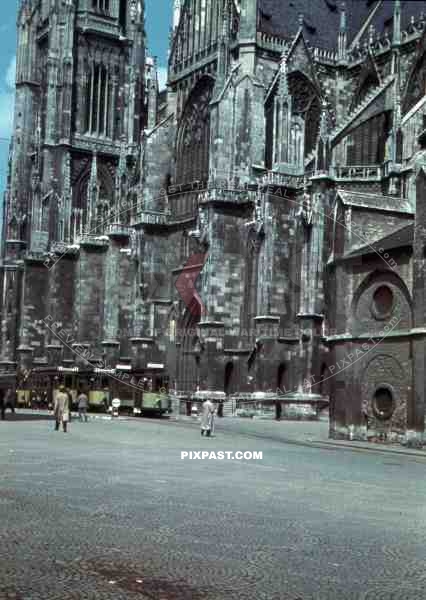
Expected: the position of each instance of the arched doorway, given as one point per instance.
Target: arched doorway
(229, 371)
(227, 384)
(281, 378)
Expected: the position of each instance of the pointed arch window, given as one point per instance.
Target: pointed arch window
(93, 212)
(305, 111)
(98, 101)
(13, 228)
(296, 143)
(102, 6)
(367, 144)
(270, 134)
(194, 135)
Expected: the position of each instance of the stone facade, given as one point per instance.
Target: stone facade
(253, 234)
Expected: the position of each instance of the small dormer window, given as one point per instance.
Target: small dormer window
(101, 6)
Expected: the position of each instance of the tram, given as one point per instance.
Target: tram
(144, 394)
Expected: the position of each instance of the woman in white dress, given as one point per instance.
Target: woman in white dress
(207, 418)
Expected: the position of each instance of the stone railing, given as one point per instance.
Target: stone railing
(118, 230)
(283, 179)
(229, 196)
(98, 241)
(270, 42)
(364, 172)
(151, 217)
(63, 248)
(325, 56)
(99, 23)
(87, 142)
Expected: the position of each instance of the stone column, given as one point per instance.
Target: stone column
(339, 393)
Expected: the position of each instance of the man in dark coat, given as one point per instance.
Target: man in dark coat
(278, 410)
(2, 404)
(7, 400)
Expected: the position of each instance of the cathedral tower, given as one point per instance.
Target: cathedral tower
(79, 114)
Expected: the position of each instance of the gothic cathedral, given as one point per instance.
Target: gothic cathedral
(253, 234)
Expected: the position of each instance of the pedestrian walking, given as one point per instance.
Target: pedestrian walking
(83, 403)
(61, 409)
(10, 400)
(2, 405)
(207, 418)
(278, 410)
(70, 402)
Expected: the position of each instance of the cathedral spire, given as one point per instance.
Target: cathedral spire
(397, 22)
(283, 84)
(223, 53)
(94, 170)
(177, 7)
(343, 36)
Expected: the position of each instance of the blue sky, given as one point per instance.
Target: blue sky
(158, 17)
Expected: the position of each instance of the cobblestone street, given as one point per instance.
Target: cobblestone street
(109, 510)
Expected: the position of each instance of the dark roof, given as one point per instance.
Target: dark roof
(375, 201)
(400, 238)
(321, 18)
(383, 19)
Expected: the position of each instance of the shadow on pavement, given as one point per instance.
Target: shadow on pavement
(26, 416)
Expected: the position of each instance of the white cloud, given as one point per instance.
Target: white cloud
(6, 113)
(11, 74)
(162, 77)
(7, 98)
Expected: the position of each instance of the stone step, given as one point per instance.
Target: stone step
(227, 408)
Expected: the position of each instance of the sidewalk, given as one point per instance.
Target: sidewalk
(312, 433)
(28, 414)
(309, 433)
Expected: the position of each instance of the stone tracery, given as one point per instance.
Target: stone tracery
(194, 133)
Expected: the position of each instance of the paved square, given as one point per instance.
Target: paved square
(109, 510)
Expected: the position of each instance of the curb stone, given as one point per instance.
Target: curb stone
(368, 447)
